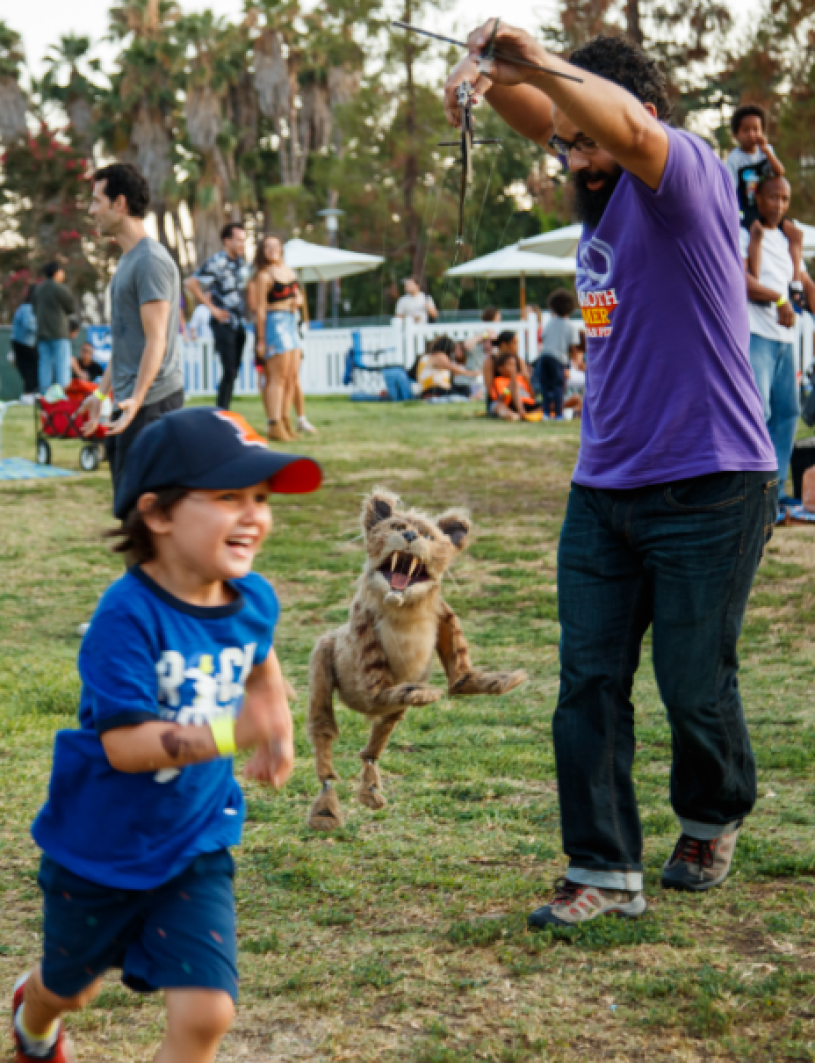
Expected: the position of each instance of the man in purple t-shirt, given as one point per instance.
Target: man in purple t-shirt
(674, 494)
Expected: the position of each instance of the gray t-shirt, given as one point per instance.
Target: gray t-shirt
(559, 335)
(144, 275)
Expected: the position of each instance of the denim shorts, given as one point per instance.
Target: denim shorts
(281, 332)
(180, 935)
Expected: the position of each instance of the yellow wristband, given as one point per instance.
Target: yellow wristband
(99, 394)
(223, 732)
(781, 301)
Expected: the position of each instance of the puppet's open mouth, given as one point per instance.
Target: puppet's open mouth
(403, 571)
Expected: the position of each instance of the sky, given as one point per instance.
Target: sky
(41, 22)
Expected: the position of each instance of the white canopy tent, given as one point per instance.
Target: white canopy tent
(313, 262)
(513, 262)
(562, 243)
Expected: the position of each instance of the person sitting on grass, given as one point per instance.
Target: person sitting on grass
(178, 672)
(85, 367)
(512, 398)
(435, 372)
(560, 341)
(505, 341)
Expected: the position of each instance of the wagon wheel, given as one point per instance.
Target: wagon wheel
(43, 452)
(89, 458)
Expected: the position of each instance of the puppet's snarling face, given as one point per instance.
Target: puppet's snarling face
(408, 552)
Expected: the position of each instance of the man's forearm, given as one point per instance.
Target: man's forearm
(524, 108)
(104, 383)
(149, 366)
(758, 293)
(193, 285)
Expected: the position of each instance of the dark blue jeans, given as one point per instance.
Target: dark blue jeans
(678, 557)
(552, 384)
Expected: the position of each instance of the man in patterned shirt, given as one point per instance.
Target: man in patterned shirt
(220, 284)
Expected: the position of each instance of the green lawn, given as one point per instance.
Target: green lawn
(403, 938)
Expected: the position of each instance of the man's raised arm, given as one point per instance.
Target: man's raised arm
(627, 129)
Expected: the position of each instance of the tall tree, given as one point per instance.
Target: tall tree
(71, 79)
(13, 101)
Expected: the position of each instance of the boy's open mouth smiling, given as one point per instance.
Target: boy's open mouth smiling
(403, 571)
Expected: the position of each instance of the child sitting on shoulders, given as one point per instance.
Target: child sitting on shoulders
(178, 673)
(751, 162)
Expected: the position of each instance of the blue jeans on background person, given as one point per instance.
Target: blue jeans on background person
(398, 384)
(773, 365)
(679, 558)
(54, 363)
(552, 384)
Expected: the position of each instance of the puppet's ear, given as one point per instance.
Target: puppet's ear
(455, 524)
(379, 505)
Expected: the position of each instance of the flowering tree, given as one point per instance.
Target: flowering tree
(44, 194)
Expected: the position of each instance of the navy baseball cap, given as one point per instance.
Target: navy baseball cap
(202, 447)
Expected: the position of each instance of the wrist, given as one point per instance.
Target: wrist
(781, 301)
(223, 735)
(100, 395)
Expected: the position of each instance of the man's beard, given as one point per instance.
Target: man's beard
(591, 205)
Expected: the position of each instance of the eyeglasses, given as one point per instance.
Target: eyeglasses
(564, 148)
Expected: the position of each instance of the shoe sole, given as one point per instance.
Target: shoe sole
(687, 887)
(554, 921)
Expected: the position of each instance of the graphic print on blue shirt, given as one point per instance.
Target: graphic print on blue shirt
(149, 657)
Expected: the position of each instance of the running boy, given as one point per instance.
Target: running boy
(751, 162)
(178, 673)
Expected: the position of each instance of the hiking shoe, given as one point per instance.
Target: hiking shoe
(574, 903)
(305, 425)
(59, 1052)
(699, 865)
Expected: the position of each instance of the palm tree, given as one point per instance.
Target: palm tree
(13, 101)
(79, 95)
(138, 117)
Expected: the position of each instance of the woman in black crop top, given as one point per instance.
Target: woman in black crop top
(276, 296)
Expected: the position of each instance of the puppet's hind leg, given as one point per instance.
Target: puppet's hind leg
(370, 781)
(325, 813)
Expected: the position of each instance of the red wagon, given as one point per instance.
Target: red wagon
(62, 420)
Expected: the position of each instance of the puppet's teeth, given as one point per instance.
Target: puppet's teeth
(413, 565)
(394, 559)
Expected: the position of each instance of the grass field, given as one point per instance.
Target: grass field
(403, 937)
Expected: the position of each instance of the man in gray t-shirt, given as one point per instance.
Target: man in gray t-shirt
(145, 367)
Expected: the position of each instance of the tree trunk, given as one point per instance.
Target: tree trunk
(633, 26)
(412, 160)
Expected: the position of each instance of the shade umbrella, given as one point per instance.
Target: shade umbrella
(562, 243)
(513, 262)
(315, 262)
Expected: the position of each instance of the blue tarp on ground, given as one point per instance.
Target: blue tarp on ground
(22, 469)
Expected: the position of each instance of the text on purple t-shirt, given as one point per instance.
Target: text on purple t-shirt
(669, 389)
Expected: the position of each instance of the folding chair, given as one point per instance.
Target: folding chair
(360, 374)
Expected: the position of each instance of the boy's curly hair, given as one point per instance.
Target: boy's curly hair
(620, 60)
(748, 110)
(561, 302)
(133, 536)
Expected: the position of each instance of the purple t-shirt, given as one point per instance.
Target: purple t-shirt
(669, 389)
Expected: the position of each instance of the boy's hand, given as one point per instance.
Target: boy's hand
(786, 315)
(761, 142)
(757, 230)
(272, 763)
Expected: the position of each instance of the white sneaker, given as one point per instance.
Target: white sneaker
(305, 425)
(574, 903)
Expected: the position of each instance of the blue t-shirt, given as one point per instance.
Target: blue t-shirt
(669, 389)
(146, 657)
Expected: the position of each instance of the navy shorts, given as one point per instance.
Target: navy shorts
(178, 936)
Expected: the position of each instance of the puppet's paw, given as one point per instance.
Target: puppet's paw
(414, 694)
(370, 786)
(326, 813)
(494, 683)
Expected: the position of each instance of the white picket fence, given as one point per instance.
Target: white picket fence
(325, 352)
